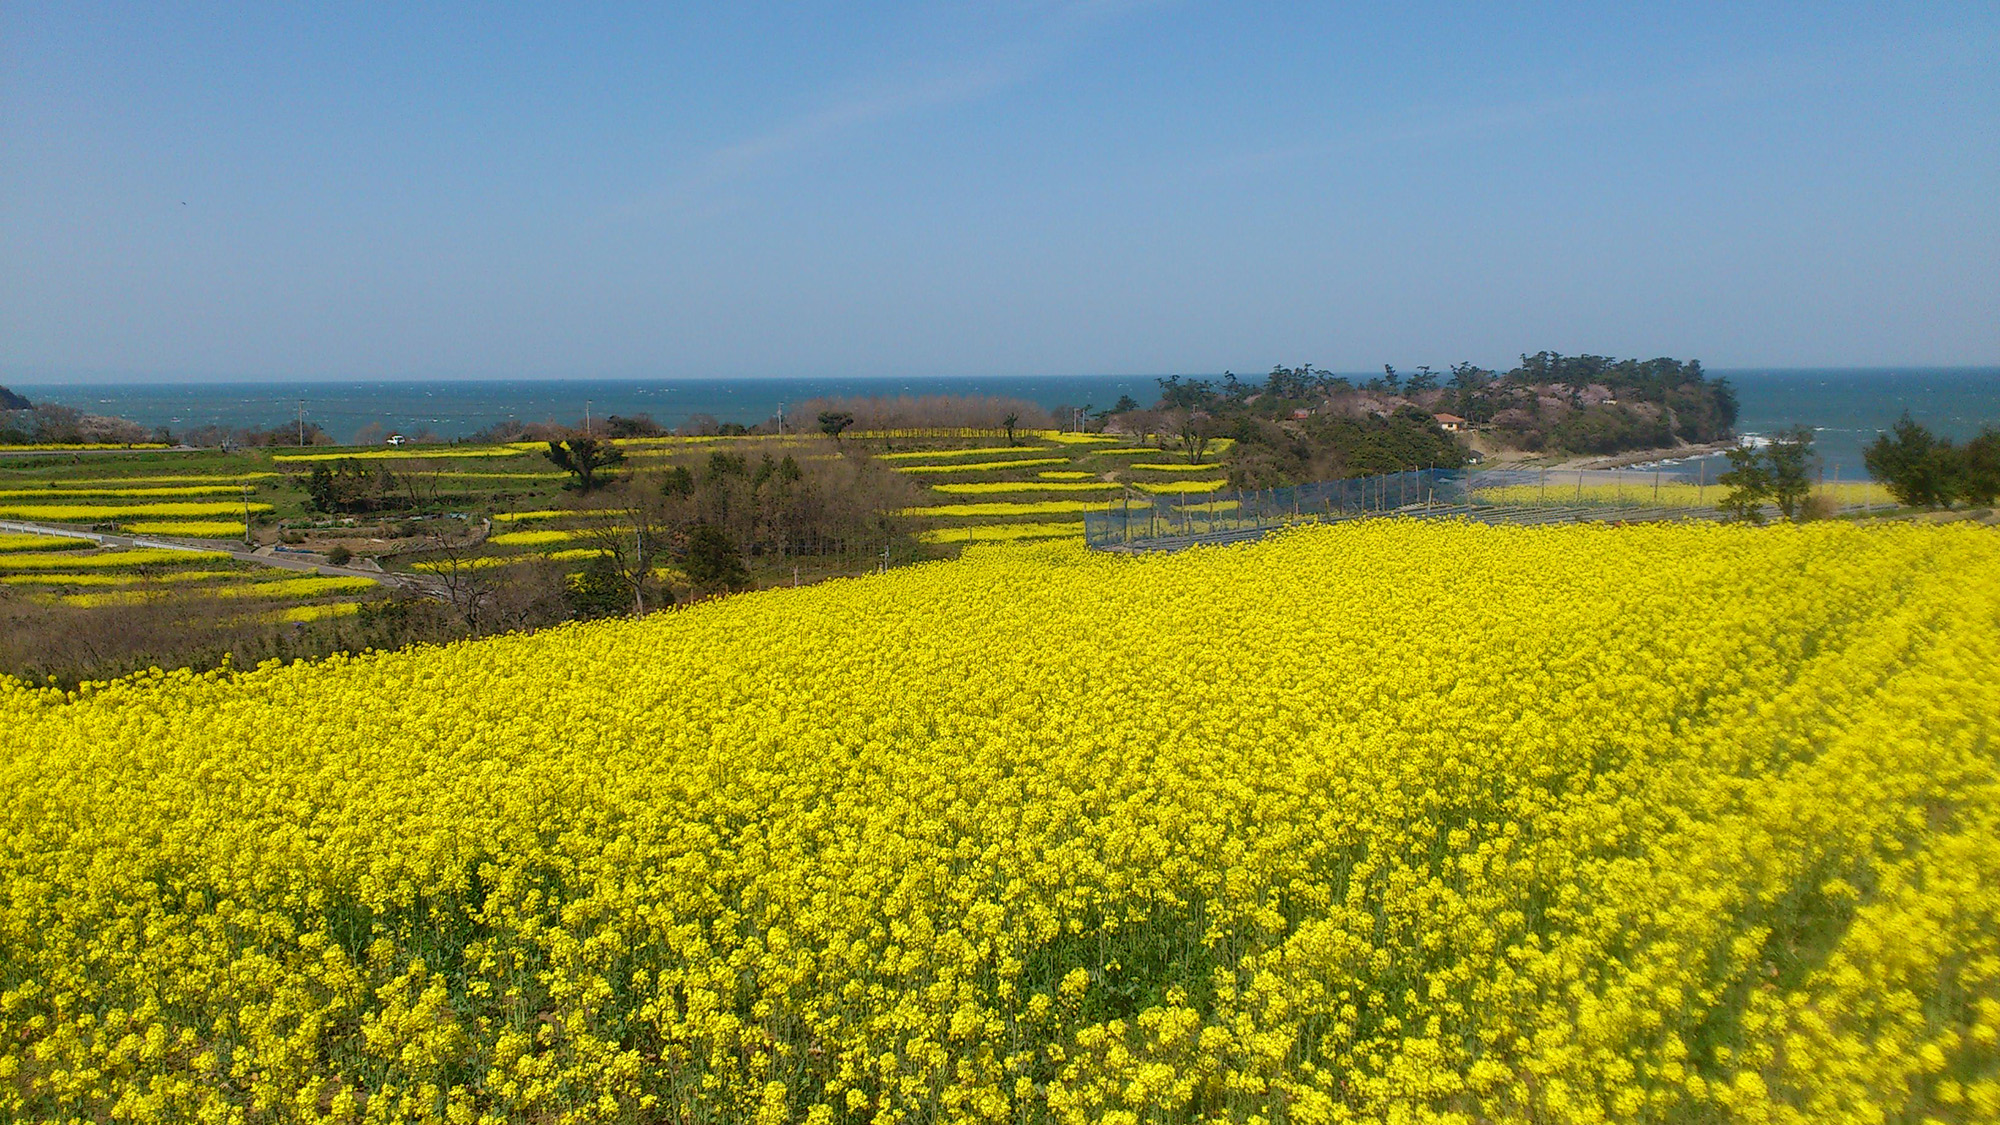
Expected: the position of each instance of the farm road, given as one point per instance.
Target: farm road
(428, 586)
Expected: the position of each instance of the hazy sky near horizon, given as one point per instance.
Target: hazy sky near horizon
(386, 191)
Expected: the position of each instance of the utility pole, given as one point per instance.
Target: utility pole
(246, 517)
(586, 417)
(302, 422)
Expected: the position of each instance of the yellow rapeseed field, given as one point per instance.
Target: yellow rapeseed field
(80, 513)
(317, 612)
(21, 541)
(1008, 508)
(553, 474)
(540, 538)
(195, 529)
(141, 556)
(119, 492)
(1392, 822)
(171, 478)
(1643, 490)
(997, 487)
(481, 562)
(126, 578)
(252, 586)
(944, 454)
(64, 447)
(1178, 487)
(536, 514)
(310, 587)
(431, 453)
(1001, 532)
(982, 466)
(1214, 450)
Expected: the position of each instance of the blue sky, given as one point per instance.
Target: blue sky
(383, 191)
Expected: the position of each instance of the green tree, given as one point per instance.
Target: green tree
(347, 487)
(320, 489)
(1190, 394)
(598, 591)
(712, 562)
(582, 457)
(1788, 463)
(833, 423)
(1979, 469)
(1918, 468)
(1749, 483)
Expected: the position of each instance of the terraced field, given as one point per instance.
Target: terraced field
(59, 571)
(503, 503)
(142, 502)
(973, 490)
(1040, 490)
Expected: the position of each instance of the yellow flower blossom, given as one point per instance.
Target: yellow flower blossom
(1386, 821)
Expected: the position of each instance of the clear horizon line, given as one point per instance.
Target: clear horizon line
(106, 379)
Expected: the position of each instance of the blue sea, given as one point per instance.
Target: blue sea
(1846, 406)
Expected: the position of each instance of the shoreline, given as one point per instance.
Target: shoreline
(1522, 460)
(1649, 456)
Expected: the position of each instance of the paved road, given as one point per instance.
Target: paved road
(414, 582)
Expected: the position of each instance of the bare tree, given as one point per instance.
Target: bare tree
(467, 585)
(420, 480)
(1192, 430)
(529, 598)
(633, 535)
